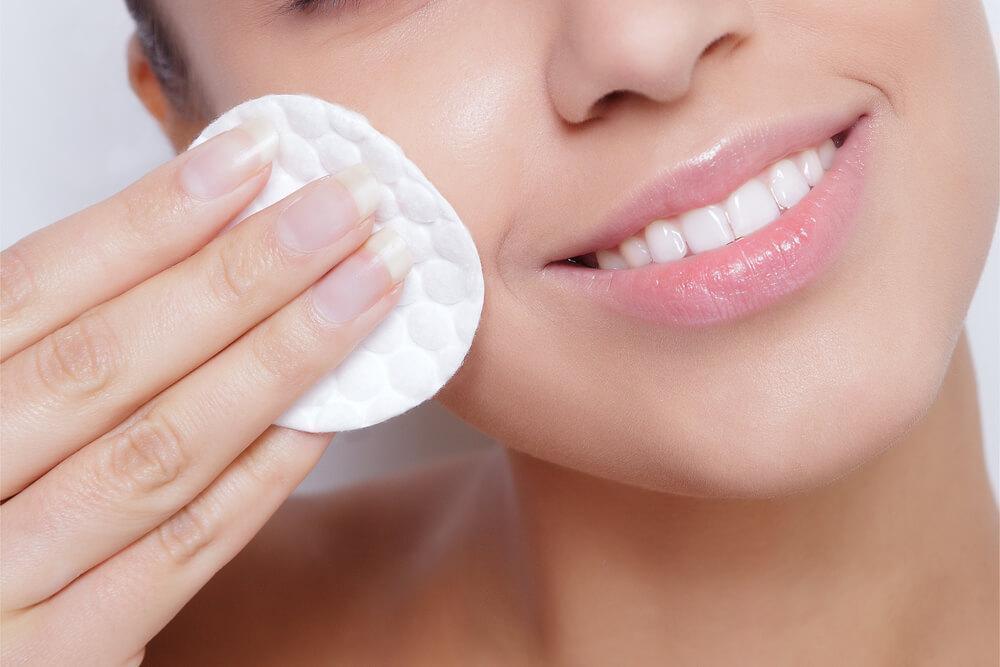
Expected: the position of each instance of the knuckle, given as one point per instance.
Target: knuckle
(17, 282)
(277, 356)
(145, 456)
(235, 271)
(188, 532)
(80, 358)
(263, 465)
(228, 275)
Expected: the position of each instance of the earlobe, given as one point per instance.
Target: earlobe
(179, 129)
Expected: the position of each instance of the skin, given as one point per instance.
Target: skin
(809, 478)
(471, 78)
(129, 506)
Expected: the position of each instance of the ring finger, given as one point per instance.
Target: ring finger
(141, 588)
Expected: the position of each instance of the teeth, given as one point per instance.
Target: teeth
(757, 203)
(809, 164)
(788, 185)
(751, 207)
(635, 252)
(610, 259)
(826, 153)
(707, 228)
(665, 241)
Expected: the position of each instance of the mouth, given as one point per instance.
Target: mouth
(731, 231)
(754, 205)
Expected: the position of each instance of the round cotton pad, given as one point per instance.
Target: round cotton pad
(423, 341)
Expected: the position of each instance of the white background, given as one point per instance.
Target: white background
(72, 133)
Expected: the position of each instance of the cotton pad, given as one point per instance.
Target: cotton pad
(424, 340)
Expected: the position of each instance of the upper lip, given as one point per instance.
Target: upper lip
(711, 175)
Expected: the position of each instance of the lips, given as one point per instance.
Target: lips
(753, 205)
(731, 232)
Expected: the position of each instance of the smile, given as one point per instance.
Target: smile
(720, 254)
(755, 204)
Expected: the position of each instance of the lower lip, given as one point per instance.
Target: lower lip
(747, 275)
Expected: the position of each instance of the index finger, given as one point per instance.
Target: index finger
(57, 273)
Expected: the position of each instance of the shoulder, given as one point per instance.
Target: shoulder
(329, 571)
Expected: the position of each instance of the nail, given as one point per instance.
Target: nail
(358, 282)
(226, 161)
(391, 249)
(364, 189)
(328, 210)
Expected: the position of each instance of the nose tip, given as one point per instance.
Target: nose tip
(609, 51)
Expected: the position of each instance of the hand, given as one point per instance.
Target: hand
(144, 358)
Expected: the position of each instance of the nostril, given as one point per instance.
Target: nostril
(716, 43)
(606, 102)
(611, 98)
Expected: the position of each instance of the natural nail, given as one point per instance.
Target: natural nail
(226, 161)
(324, 213)
(391, 249)
(364, 189)
(363, 278)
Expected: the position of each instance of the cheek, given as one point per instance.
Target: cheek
(454, 98)
(450, 95)
(934, 181)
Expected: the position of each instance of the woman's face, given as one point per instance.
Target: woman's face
(559, 127)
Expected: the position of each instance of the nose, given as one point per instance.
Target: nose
(648, 48)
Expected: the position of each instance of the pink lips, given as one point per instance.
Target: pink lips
(752, 272)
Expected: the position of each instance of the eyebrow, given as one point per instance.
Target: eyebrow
(271, 10)
(301, 4)
(289, 6)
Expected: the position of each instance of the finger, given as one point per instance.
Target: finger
(119, 487)
(103, 365)
(128, 599)
(53, 275)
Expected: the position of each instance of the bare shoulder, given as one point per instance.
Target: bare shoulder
(328, 572)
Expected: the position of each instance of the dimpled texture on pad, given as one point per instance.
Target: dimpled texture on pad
(424, 340)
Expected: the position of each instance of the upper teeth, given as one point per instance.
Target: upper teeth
(753, 205)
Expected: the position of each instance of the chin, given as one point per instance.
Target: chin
(739, 455)
(828, 393)
(828, 435)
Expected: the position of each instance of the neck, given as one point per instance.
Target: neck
(889, 559)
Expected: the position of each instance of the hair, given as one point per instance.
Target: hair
(163, 55)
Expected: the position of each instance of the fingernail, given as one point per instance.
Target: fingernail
(324, 213)
(392, 251)
(225, 162)
(364, 189)
(358, 282)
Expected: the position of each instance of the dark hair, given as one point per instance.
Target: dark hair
(163, 55)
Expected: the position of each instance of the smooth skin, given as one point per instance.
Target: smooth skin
(127, 332)
(538, 119)
(805, 486)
